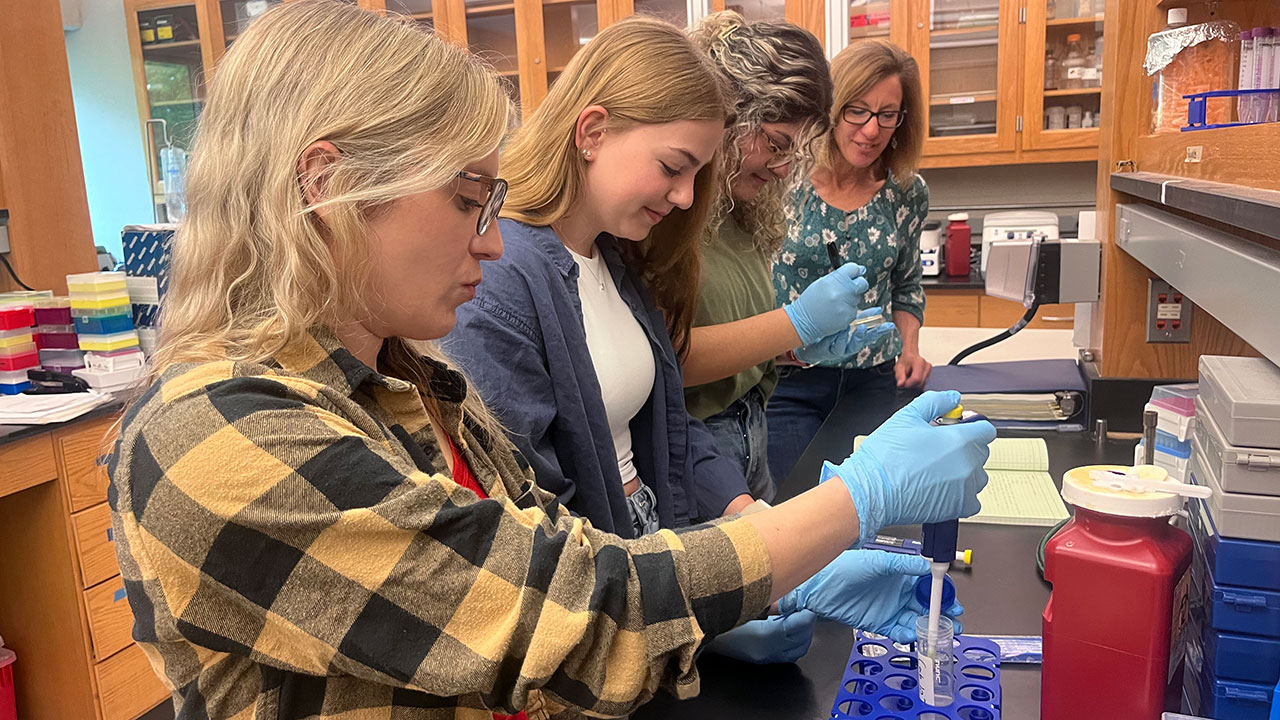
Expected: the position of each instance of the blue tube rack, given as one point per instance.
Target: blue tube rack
(1197, 110)
(880, 682)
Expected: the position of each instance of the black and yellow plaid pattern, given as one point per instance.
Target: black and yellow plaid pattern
(293, 547)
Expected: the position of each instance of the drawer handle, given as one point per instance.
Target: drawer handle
(119, 595)
(111, 535)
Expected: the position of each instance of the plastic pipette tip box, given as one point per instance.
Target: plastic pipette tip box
(880, 681)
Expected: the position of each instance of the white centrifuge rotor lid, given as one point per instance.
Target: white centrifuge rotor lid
(1081, 489)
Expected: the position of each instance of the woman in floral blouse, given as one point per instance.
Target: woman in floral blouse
(866, 201)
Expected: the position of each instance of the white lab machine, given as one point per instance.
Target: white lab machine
(1016, 225)
(931, 249)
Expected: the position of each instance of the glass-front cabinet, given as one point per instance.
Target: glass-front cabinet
(969, 76)
(171, 54)
(1063, 97)
(237, 14)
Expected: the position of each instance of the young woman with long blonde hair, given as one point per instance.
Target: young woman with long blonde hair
(314, 517)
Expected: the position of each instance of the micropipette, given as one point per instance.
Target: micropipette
(940, 540)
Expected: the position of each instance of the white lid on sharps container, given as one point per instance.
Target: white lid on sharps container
(1110, 489)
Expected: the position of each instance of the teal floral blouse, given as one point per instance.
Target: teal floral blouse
(883, 236)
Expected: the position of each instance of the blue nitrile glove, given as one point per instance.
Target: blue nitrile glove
(909, 472)
(829, 304)
(776, 639)
(846, 343)
(870, 590)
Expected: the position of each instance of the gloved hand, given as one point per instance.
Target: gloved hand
(776, 639)
(846, 343)
(829, 304)
(870, 590)
(910, 472)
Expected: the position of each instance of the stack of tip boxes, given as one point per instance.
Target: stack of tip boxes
(146, 262)
(104, 321)
(1175, 408)
(56, 335)
(1233, 646)
(17, 348)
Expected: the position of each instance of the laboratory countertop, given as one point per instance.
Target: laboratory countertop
(944, 281)
(12, 433)
(1002, 594)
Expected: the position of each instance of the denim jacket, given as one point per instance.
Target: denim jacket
(523, 345)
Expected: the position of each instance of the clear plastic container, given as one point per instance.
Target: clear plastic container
(1191, 59)
(56, 336)
(1050, 70)
(95, 283)
(17, 336)
(103, 312)
(100, 302)
(107, 343)
(7, 351)
(16, 316)
(935, 658)
(12, 377)
(1179, 399)
(53, 311)
(104, 325)
(58, 358)
(22, 361)
(23, 297)
(1073, 64)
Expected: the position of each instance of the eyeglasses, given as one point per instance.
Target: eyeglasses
(887, 119)
(496, 192)
(784, 153)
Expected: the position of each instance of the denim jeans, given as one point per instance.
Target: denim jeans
(806, 396)
(741, 433)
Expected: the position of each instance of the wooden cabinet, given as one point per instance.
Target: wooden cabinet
(972, 308)
(63, 609)
(982, 68)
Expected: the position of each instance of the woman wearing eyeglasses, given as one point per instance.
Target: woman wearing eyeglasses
(781, 89)
(866, 204)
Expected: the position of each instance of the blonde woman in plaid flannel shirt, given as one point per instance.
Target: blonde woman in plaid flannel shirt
(316, 520)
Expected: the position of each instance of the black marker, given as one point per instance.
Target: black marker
(833, 254)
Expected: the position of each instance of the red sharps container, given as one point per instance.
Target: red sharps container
(1114, 623)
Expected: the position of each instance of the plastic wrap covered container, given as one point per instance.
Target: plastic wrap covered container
(1191, 59)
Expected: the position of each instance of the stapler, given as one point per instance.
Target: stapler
(48, 382)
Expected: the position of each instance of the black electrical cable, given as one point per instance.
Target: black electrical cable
(1044, 543)
(1026, 318)
(14, 274)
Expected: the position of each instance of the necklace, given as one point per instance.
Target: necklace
(588, 263)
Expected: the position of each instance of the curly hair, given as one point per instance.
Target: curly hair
(778, 74)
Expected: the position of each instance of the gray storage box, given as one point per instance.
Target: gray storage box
(1243, 395)
(1234, 515)
(1239, 469)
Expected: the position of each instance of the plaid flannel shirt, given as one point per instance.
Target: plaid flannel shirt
(293, 547)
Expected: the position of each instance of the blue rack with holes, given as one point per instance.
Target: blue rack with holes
(1197, 111)
(881, 682)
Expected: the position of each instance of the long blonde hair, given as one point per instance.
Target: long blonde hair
(643, 71)
(253, 267)
(778, 74)
(856, 70)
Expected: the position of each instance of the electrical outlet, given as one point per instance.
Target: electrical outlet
(1168, 314)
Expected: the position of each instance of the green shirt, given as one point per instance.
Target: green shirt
(883, 236)
(735, 285)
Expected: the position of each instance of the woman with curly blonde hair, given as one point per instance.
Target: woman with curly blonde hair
(781, 88)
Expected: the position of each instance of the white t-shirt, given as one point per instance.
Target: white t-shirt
(619, 351)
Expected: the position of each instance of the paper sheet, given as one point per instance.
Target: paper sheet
(1019, 454)
(1015, 497)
